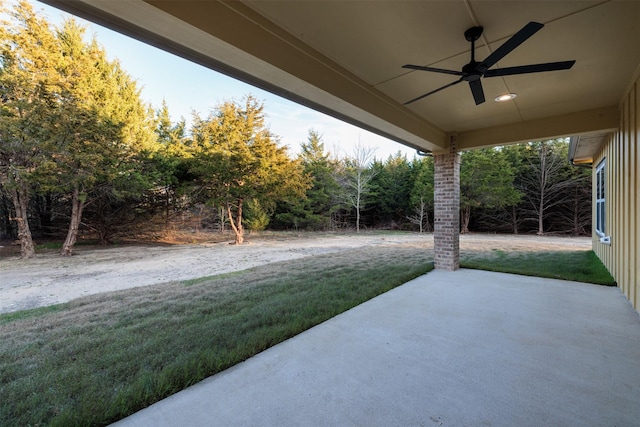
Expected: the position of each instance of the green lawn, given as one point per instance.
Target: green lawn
(99, 359)
(580, 266)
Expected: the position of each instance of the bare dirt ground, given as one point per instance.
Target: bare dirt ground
(51, 279)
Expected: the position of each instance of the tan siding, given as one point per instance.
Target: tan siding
(619, 213)
(635, 173)
(624, 202)
(613, 208)
(622, 154)
(612, 186)
(631, 198)
(614, 211)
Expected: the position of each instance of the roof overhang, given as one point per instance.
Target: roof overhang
(584, 148)
(344, 59)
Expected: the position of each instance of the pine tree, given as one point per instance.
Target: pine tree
(29, 90)
(235, 159)
(169, 160)
(100, 133)
(314, 211)
(391, 188)
(486, 181)
(421, 196)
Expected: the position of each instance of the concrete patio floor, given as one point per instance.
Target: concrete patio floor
(464, 348)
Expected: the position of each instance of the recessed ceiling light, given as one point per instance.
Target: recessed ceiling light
(505, 97)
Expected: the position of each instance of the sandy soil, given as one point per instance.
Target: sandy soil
(50, 279)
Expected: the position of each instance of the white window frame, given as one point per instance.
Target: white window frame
(600, 190)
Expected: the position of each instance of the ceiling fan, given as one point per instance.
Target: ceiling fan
(474, 70)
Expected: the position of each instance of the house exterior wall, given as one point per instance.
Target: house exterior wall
(622, 199)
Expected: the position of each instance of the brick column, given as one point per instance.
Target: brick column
(447, 209)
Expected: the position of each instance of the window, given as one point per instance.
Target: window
(600, 198)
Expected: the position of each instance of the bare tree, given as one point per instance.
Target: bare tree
(507, 219)
(545, 182)
(222, 218)
(356, 177)
(420, 216)
(573, 215)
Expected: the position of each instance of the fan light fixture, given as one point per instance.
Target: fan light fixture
(506, 97)
(474, 72)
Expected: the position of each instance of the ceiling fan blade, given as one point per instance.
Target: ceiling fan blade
(518, 38)
(433, 91)
(534, 68)
(476, 90)
(435, 70)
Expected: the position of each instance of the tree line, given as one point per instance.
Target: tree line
(525, 188)
(81, 153)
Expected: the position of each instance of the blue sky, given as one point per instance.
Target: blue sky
(188, 87)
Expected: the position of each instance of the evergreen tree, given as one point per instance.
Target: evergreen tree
(256, 217)
(391, 188)
(169, 159)
(29, 90)
(101, 134)
(235, 159)
(72, 122)
(513, 217)
(313, 211)
(486, 180)
(422, 191)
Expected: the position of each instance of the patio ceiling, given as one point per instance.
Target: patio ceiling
(345, 57)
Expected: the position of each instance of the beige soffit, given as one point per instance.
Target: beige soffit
(584, 148)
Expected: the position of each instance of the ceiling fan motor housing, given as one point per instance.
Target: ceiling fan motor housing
(471, 71)
(473, 34)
